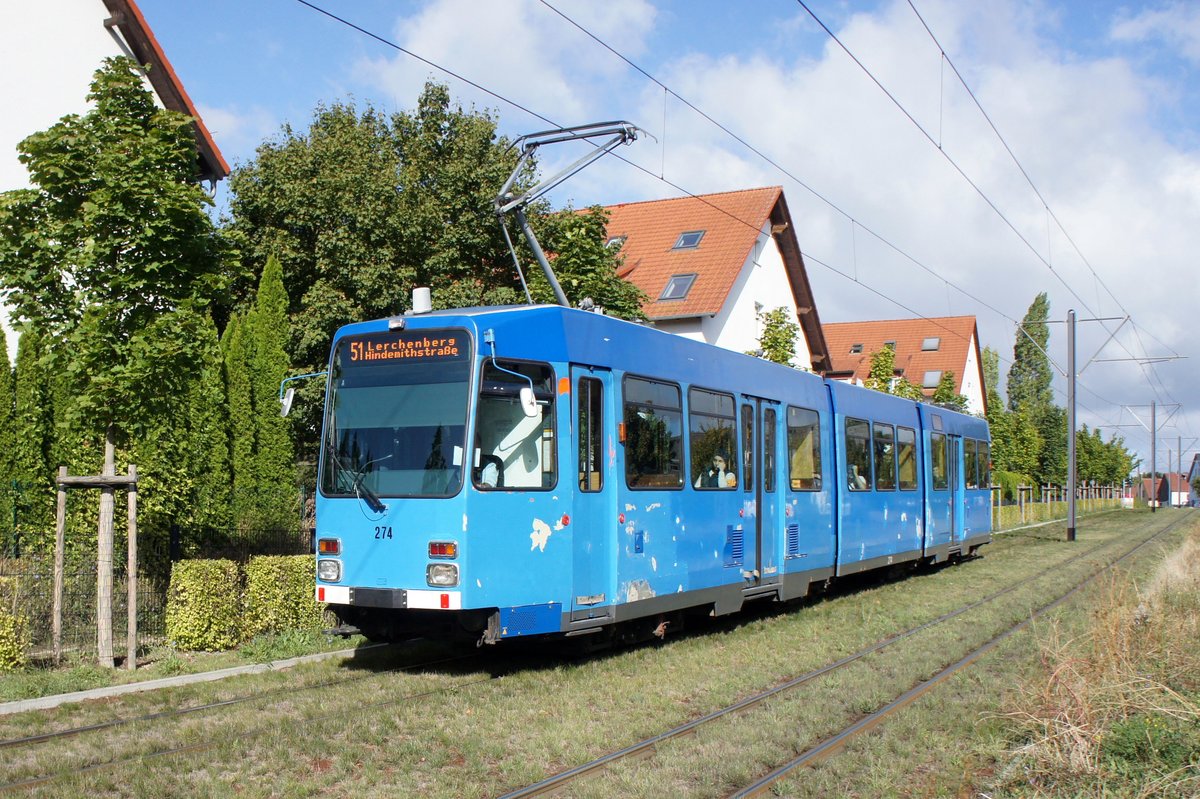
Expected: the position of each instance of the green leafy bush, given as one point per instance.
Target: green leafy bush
(204, 605)
(14, 632)
(279, 594)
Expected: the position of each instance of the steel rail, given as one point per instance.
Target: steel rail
(835, 743)
(32, 782)
(237, 700)
(641, 748)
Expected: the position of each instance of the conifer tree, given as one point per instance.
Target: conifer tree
(241, 419)
(208, 437)
(7, 441)
(274, 461)
(1029, 376)
(33, 428)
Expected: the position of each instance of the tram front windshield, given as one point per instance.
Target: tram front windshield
(396, 417)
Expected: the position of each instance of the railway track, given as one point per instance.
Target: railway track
(176, 713)
(179, 745)
(834, 743)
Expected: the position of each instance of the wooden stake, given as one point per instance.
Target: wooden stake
(131, 577)
(104, 558)
(60, 534)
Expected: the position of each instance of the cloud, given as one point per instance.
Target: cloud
(1176, 25)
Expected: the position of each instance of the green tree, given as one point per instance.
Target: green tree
(584, 267)
(882, 376)
(1029, 376)
(274, 466)
(778, 339)
(363, 207)
(239, 393)
(33, 428)
(1052, 459)
(7, 444)
(110, 245)
(1016, 442)
(946, 395)
(991, 378)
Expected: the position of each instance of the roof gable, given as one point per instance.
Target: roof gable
(145, 49)
(731, 223)
(851, 345)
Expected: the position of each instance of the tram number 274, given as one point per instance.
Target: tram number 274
(383, 532)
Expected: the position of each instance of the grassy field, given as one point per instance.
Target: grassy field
(480, 728)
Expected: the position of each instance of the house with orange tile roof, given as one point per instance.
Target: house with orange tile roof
(70, 40)
(72, 37)
(712, 263)
(925, 349)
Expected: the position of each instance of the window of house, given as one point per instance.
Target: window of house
(890, 345)
(689, 240)
(678, 287)
(932, 378)
(931, 344)
(615, 241)
(855, 349)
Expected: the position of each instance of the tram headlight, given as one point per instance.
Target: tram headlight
(329, 570)
(442, 575)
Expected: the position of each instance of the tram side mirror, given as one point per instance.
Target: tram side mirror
(285, 402)
(529, 403)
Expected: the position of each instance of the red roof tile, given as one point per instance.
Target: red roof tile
(955, 334)
(731, 222)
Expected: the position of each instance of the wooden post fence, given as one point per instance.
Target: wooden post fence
(107, 483)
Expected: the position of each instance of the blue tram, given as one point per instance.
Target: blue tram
(536, 470)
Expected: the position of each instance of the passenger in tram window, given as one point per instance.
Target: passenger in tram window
(716, 475)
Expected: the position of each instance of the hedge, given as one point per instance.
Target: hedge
(204, 606)
(279, 594)
(14, 632)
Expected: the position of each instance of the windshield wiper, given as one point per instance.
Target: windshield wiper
(361, 491)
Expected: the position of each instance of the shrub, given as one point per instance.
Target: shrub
(279, 594)
(14, 631)
(204, 605)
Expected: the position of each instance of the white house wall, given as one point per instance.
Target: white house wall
(762, 280)
(52, 50)
(972, 382)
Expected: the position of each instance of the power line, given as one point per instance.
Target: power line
(746, 144)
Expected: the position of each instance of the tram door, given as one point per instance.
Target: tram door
(592, 451)
(957, 494)
(760, 508)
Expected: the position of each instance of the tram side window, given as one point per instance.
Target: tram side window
(653, 434)
(591, 434)
(710, 436)
(985, 465)
(804, 449)
(513, 450)
(858, 454)
(906, 451)
(769, 449)
(885, 457)
(937, 459)
(971, 462)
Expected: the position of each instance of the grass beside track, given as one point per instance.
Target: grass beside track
(415, 734)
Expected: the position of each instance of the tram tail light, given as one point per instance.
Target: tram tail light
(443, 549)
(329, 546)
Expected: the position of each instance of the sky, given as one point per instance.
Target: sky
(939, 157)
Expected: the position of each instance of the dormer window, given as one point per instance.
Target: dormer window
(931, 344)
(615, 241)
(932, 378)
(891, 345)
(855, 349)
(689, 240)
(678, 287)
